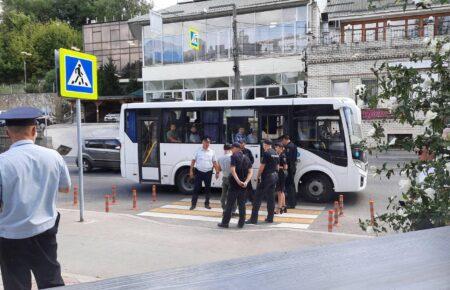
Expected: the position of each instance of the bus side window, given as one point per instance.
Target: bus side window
(130, 125)
(193, 130)
(172, 127)
(211, 124)
(241, 124)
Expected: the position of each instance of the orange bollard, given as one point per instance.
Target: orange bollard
(336, 213)
(113, 194)
(330, 220)
(154, 193)
(75, 195)
(341, 204)
(107, 203)
(372, 213)
(134, 199)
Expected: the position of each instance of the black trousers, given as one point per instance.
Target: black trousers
(290, 186)
(265, 189)
(233, 195)
(199, 178)
(250, 192)
(18, 257)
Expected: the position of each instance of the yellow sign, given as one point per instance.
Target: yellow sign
(194, 39)
(78, 75)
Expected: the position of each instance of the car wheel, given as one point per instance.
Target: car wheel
(317, 188)
(184, 183)
(87, 166)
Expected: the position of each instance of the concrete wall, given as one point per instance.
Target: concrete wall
(353, 63)
(66, 134)
(48, 102)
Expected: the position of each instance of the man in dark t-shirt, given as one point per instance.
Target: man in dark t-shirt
(250, 192)
(291, 155)
(241, 174)
(267, 179)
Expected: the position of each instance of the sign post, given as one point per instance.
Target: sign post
(78, 79)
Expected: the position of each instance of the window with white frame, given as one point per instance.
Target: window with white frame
(340, 89)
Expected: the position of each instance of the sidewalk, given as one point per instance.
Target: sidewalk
(113, 245)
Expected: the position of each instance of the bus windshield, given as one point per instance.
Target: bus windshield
(354, 129)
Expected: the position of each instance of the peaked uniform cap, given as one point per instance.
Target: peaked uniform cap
(21, 116)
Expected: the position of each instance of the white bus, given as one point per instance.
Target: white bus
(326, 130)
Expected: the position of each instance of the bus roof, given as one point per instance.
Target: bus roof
(335, 102)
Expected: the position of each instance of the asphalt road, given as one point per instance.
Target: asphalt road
(356, 205)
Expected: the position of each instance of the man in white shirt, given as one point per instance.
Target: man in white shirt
(201, 169)
(30, 178)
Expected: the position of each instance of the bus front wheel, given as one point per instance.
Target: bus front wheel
(184, 183)
(317, 188)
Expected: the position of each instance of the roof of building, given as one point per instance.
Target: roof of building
(339, 9)
(191, 9)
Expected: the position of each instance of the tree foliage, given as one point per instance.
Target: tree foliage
(75, 12)
(19, 33)
(108, 80)
(417, 99)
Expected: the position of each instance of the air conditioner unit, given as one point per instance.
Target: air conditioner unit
(301, 87)
(334, 24)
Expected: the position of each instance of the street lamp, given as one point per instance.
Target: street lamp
(25, 54)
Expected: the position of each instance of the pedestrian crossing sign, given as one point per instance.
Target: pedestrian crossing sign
(78, 75)
(194, 38)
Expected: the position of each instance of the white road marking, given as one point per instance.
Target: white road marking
(261, 212)
(216, 220)
(290, 225)
(309, 207)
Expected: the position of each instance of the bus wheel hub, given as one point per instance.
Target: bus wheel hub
(316, 188)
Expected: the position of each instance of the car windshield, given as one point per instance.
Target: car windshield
(354, 129)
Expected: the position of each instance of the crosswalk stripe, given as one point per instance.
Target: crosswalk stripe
(277, 219)
(249, 207)
(214, 219)
(219, 210)
(216, 201)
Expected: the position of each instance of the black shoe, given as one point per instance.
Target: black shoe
(192, 207)
(221, 225)
(207, 206)
(250, 222)
(240, 226)
(268, 221)
(285, 209)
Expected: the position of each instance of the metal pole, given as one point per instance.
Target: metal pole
(25, 71)
(237, 73)
(80, 161)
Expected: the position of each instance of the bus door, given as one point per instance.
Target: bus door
(148, 148)
(274, 122)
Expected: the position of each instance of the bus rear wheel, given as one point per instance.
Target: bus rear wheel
(184, 183)
(317, 188)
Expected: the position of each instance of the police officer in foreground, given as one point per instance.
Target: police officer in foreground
(240, 177)
(291, 156)
(30, 178)
(267, 179)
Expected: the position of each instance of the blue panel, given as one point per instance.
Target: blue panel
(130, 125)
(71, 62)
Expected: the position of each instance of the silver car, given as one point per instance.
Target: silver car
(101, 153)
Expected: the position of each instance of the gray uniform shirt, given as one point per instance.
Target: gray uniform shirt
(30, 177)
(225, 164)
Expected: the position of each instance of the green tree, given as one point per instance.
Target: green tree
(19, 33)
(75, 12)
(108, 80)
(425, 184)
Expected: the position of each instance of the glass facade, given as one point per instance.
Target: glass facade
(111, 40)
(274, 32)
(213, 89)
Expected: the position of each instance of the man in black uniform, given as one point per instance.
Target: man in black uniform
(241, 175)
(291, 155)
(267, 179)
(249, 191)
